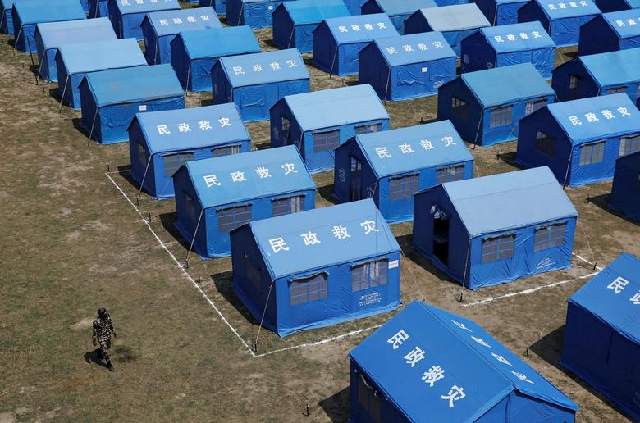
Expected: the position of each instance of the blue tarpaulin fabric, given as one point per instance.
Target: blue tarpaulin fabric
(219, 5)
(126, 16)
(255, 13)
(501, 12)
(613, 5)
(625, 196)
(397, 10)
(98, 8)
(610, 32)
(6, 21)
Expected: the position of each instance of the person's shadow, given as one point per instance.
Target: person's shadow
(94, 357)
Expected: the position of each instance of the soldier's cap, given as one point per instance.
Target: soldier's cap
(102, 311)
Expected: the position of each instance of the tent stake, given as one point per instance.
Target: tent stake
(308, 411)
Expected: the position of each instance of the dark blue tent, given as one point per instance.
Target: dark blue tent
(391, 166)
(255, 82)
(160, 28)
(50, 36)
(409, 66)
(295, 21)
(111, 98)
(98, 8)
(195, 53)
(579, 140)
(27, 14)
(126, 15)
(507, 45)
(428, 365)
(496, 229)
(562, 20)
(442, 3)
(324, 266)
(397, 10)
(610, 32)
(602, 335)
(161, 142)
(75, 61)
(486, 106)
(220, 6)
(625, 193)
(319, 121)
(337, 42)
(216, 195)
(6, 22)
(255, 13)
(614, 5)
(354, 6)
(501, 12)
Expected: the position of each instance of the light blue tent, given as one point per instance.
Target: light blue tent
(579, 140)
(486, 106)
(409, 66)
(160, 28)
(614, 5)
(255, 82)
(255, 13)
(126, 15)
(428, 365)
(6, 21)
(625, 192)
(216, 195)
(397, 10)
(26, 14)
(507, 45)
(562, 20)
(111, 98)
(501, 12)
(98, 8)
(602, 335)
(496, 229)
(220, 6)
(391, 166)
(337, 42)
(295, 21)
(610, 32)
(50, 36)
(195, 53)
(324, 266)
(455, 22)
(75, 61)
(161, 142)
(318, 122)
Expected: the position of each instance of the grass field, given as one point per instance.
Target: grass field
(72, 242)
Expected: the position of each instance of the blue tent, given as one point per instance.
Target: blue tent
(111, 98)
(126, 15)
(562, 20)
(501, 12)
(220, 6)
(397, 10)
(486, 106)
(354, 6)
(625, 192)
(455, 22)
(337, 42)
(26, 14)
(614, 5)
(98, 8)
(160, 28)
(75, 61)
(579, 140)
(6, 22)
(318, 122)
(495, 229)
(195, 53)
(428, 365)
(506, 45)
(216, 195)
(295, 21)
(391, 166)
(255, 82)
(161, 142)
(50, 36)
(324, 266)
(255, 13)
(602, 335)
(610, 32)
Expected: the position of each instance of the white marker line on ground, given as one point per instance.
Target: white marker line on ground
(587, 261)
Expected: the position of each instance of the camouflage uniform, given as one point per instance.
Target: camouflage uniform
(102, 331)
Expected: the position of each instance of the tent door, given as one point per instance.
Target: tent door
(356, 179)
(441, 239)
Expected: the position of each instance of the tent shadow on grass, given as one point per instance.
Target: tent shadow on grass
(602, 201)
(326, 192)
(337, 406)
(168, 223)
(222, 282)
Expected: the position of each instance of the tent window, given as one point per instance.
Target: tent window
(449, 174)
(498, 248)
(326, 140)
(227, 150)
(142, 155)
(618, 89)
(501, 116)
(369, 128)
(369, 275)
(549, 236)
(535, 105)
(233, 217)
(575, 82)
(172, 162)
(459, 108)
(629, 145)
(545, 143)
(308, 289)
(189, 208)
(285, 124)
(592, 153)
(252, 272)
(403, 187)
(368, 399)
(288, 205)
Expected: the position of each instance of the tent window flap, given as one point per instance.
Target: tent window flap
(549, 236)
(369, 275)
(233, 217)
(308, 289)
(498, 248)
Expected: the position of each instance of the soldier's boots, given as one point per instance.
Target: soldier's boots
(110, 366)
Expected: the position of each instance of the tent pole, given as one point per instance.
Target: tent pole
(64, 91)
(15, 47)
(264, 312)
(186, 87)
(193, 240)
(143, 178)
(93, 124)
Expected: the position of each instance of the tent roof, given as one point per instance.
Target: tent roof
(455, 18)
(625, 30)
(614, 67)
(509, 200)
(133, 84)
(245, 65)
(220, 42)
(229, 192)
(369, 27)
(55, 34)
(301, 258)
(505, 84)
(553, 10)
(170, 22)
(205, 127)
(336, 107)
(509, 38)
(145, 6)
(36, 11)
(403, 7)
(422, 48)
(420, 157)
(625, 120)
(101, 55)
(314, 11)
(470, 357)
(617, 309)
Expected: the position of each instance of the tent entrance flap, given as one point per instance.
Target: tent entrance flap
(441, 238)
(356, 179)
